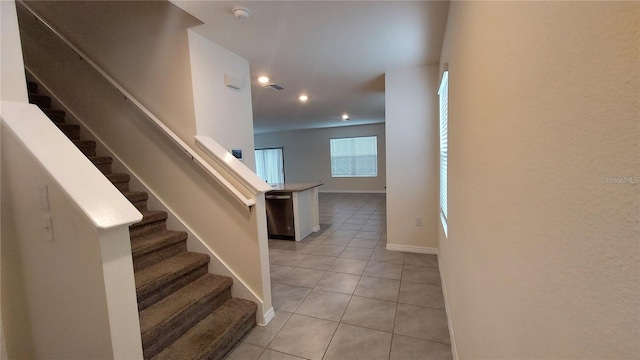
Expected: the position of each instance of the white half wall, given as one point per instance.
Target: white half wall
(412, 132)
(543, 255)
(13, 87)
(223, 113)
(63, 277)
(307, 157)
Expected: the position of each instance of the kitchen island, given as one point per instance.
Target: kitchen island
(292, 211)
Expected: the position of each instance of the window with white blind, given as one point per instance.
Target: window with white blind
(354, 157)
(444, 137)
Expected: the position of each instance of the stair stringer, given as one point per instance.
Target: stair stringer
(217, 266)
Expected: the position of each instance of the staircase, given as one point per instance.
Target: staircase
(185, 312)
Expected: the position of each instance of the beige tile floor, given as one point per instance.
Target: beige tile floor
(339, 294)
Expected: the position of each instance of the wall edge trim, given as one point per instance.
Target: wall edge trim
(352, 191)
(413, 249)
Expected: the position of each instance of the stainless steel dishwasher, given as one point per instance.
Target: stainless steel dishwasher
(280, 216)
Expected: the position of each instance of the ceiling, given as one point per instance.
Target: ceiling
(336, 52)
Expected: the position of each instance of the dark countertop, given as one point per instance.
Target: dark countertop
(287, 188)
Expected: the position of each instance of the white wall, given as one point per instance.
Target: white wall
(222, 113)
(411, 112)
(543, 258)
(307, 156)
(12, 81)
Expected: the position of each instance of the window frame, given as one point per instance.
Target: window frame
(283, 172)
(375, 163)
(443, 104)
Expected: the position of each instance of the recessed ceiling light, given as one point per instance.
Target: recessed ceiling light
(303, 98)
(345, 117)
(263, 79)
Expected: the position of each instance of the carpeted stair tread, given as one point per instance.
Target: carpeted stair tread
(118, 177)
(151, 216)
(84, 143)
(154, 277)
(119, 180)
(71, 130)
(216, 334)
(137, 198)
(156, 247)
(42, 101)
(57, 116)
(87, 147)
(152, 221)
(32, 87)
(153, 242)
(103, 163)
(134, 196)
(168, 319)
(100, 160)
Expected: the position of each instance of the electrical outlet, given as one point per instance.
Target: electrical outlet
(418, 221)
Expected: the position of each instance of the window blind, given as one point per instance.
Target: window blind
(354, 157)
(444, 146)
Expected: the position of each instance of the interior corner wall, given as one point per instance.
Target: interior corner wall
(143, 45)
(222, 113)
(412, 129)
(542, 259)
(307, 156)
(12, 79)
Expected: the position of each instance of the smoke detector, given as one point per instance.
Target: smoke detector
(241, 12)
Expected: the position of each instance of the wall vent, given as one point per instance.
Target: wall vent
(274, 86)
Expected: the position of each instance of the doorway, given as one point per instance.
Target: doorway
(270, 165)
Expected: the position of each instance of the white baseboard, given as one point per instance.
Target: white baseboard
(266, 317)
(352, 191)
(454, 350)
(413, 249)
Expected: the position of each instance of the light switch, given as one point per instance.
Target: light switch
(44, 197)
(46, 228)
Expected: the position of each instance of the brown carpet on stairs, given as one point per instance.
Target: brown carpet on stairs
(185, 312)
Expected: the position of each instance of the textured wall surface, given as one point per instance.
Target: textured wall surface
(543, 259)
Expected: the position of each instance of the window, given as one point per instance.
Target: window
(270, 165)
(354, 157)
(444, 138)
